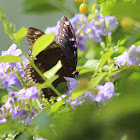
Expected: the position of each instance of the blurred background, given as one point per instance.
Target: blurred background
(13, 10)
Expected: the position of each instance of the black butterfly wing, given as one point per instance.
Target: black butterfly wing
(67, 41)
(32, 35)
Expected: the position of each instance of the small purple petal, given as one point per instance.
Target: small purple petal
(29, 93)
(3, 120)
(12, 51)
(71, 83)
(105, 92)
(122, 59)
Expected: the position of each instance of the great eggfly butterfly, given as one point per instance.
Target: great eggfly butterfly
(63, 48)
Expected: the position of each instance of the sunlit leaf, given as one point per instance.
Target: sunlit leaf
(53, 70)
(122, 8)
(100, 1)
(93, 64)
(104, 58)
(42, 43)
(10, 59)
(137, 44)
(121, 42)
(55, 106)
(20, 34)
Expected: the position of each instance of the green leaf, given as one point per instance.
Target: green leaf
(120, 107)
(100, 1)
(115, 71)
(121, 49)
(42, 43)
(47, 83)
(89, 66)
(36, 6)
(85, 70)
(122, 8)
(104, 58)
(95, 81)
(10, 59)
(55, 106)
(107, 6)
(121, 42)
(42, 123)
(36, 104)
(20, 34)
(8, 126)
(92, 64)
(137, 44)
(77, 92)
(48, 74)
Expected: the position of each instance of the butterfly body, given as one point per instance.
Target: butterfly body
(63, 48)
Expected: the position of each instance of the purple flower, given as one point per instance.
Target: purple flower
(78, 22)
(11, 79)
(54, 29)
(92, 31)
(29, 116)
(122, 59)
(104, 93)
(89, 29)
(80, 43)
(131, 57)
(12, 51)
(29, 93)
(15, 111)
(3, 120)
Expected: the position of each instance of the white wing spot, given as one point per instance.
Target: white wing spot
(65, 25)
(64, 30)
(74, 46)
(66, 22)
(71, 39)
(37, 32)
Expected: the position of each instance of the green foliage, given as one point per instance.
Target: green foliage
(122, 8)
(10, 59)
(100, 1)
(42, 43)
(48, 74)
(45, 6)
(20, 34)
(104, 58)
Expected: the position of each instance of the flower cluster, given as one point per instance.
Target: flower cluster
(84, 28)
(15, 106)
(104, 93)
(10, 79)
(131, 57)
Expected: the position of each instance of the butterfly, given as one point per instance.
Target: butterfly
(64, 48)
